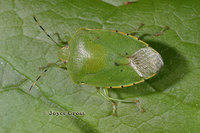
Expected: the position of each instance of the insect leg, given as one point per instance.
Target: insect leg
(45, 68)
(137, 29)
(150, 34)
(61, 42)
(163, 29)
(58, 36)
(107, 98)
(50, 65)
(129, 2)
(124, 101)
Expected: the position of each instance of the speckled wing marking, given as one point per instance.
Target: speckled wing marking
(146, 61)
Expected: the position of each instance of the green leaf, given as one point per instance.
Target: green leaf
(118, 2)
(171, 99)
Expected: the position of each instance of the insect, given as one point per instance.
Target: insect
(107, 59)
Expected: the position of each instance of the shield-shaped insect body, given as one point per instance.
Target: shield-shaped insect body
(109, 59)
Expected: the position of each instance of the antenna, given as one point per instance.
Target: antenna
(45, 31)
(37, 79)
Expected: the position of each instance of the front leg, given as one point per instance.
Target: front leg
(45, 68)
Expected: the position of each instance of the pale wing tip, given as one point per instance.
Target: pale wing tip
(146, 62)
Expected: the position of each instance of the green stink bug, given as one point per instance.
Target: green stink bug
(107, 59)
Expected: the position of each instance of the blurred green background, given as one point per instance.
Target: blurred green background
(171, 99)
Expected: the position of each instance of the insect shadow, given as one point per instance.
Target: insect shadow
(174, 69)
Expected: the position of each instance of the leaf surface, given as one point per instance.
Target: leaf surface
(171, 99)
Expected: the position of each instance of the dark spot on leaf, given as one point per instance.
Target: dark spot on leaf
(116, 64)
